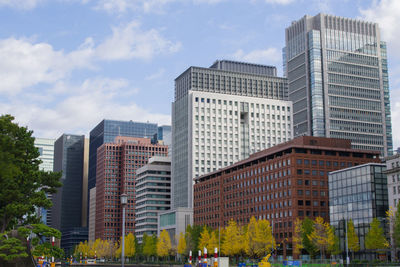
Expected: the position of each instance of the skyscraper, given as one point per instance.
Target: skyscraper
(46, 150)
(338, 81)
(117, 163)
(67, 202)
(223, 114)
(106, 131)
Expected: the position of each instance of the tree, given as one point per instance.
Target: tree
(265, 241)
(130, 247)
(204, 239)
(352, 238)
(334, 249)
(322, 235)
(307, 229)
(213, 242)
(396, 227)
(375, 238)
(192, 237)
(250, 238)
(181, 249)
(23, 186)
(297, 237)
(164, 244)
(233, 240)
(149, 245)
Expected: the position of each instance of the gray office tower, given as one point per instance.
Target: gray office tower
(338, 81)
(219, 116)
(106, 131)
(67, 202)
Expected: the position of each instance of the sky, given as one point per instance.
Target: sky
(67, 64)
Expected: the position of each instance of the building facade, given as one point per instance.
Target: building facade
(153, 195)
(117, 164)
(393, 179)
(358, 193)
(220, 116)
(175, 222)
(46, 150)
(338, 81)
(280, 184)
(67, 202)
(106, 132)
(92, 215)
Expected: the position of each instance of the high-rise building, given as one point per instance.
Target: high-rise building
(358, 193)
(92, 215)
(221, 115)
(106, 132)
(280, 184)
(117, 163)
(66, 211)
(46, 150)
(338, 81)
(153, 194)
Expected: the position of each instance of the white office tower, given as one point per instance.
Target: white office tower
(221, 115)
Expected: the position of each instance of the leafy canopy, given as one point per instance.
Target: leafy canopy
(22, 185)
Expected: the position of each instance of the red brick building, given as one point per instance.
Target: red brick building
(116, 173)
(279, 184)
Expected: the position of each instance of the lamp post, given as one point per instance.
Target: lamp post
(124, 201)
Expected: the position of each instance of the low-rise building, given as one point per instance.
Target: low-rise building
(280, 184)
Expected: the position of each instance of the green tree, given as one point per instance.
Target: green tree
(192, 237)
(23, 186)
(307, 229)
(396, 227)
(334, 249)
(352, 238)
(375, 238)
(149, 246)
(164, 244)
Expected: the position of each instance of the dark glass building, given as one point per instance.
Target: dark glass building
(358, 193)
(106, 131)
(67, 202)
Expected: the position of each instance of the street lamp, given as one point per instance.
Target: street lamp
(124, 201)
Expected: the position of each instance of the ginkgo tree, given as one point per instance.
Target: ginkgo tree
(233, 241)
(352, 238)
(181, 248)
(375, 238)
(297, 241)
(322, 236)
(164, 244)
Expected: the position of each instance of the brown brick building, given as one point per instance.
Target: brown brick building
(116, 174)
(279, 184)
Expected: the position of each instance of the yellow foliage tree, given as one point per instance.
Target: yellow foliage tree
(181, 249)
(265, 241)
(164, 244)
(352, 238)
(82, 249)
(233, 241)
(204, 239)
(297, 239)
(130, 248)
(213, 243)
(250, 238)
(322, 235)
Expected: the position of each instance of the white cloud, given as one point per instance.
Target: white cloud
(386, 12)
(130, 41)
(267, 56)
(24, 64)
(20, 4)
(78, 108)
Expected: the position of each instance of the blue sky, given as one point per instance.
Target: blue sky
(67, 64)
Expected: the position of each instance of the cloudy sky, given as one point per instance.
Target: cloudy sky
(67, 64)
